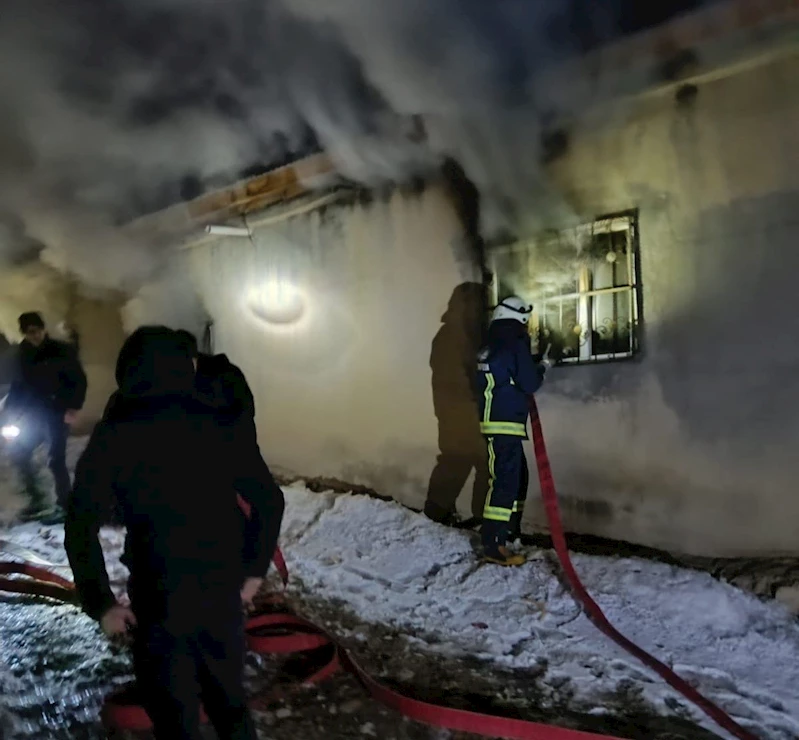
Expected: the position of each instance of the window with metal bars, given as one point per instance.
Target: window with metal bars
(584, 286)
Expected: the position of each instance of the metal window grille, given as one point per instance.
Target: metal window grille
(584, 285)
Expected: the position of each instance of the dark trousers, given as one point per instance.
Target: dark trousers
(509, 480)
(48, 428)
(189, 650)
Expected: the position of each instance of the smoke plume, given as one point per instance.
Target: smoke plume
(115, 108)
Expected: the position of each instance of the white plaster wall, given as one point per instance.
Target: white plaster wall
(345, 392)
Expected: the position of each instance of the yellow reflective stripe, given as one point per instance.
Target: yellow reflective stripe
(510, 428)
(518, 506)
(492, 476)
(489, 397)
(497, 514)
(494, 513)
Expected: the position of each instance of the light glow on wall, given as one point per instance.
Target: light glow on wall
(10, 432)
(277, 302)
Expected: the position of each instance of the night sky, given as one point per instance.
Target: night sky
(639, 14)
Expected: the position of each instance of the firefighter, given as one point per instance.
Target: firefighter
(47, 391)
(174, 471)
(507, 374)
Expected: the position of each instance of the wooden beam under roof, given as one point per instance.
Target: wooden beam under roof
(261, 191)
(247, 196)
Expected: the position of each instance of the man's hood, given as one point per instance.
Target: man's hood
(152, 362)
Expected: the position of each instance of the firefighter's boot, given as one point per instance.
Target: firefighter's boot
(500, 555)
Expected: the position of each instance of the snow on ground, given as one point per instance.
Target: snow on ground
(392, 567)
(389, 566)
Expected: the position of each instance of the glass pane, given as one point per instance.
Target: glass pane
(603, 274)
(557, 282)
(557, 267)
(608, 260)
(533, 273)
(561, 329)
(612, 327)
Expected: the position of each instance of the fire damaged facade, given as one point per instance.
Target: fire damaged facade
(663, 285)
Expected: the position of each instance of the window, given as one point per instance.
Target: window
(583, 284)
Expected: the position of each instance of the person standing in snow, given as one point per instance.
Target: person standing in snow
(47, 391)
(174, 473)
(507, 374)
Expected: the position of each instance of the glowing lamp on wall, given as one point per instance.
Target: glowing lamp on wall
(277, 302)
(12, 431)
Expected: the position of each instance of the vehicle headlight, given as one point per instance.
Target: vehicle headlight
(10, 432)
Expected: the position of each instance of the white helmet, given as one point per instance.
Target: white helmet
(514, 308)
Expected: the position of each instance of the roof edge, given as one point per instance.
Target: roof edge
(662, 44)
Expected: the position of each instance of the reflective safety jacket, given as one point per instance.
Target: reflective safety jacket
(507, 374)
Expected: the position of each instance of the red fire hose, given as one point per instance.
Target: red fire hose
(283, 633)
(42, 582)
(592, 609)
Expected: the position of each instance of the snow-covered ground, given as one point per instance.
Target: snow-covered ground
(393, 566)
(389, 566)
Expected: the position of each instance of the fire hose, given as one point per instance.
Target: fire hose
(285, 633)
(592, 609)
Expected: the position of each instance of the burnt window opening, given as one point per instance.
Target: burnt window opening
(584, 285)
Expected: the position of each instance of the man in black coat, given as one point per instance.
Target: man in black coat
(221, 385)
(173, 471)
(47, 391)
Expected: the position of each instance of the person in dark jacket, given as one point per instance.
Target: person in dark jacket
(223, 384)
(47, 391)
(174, 472)
(220, 384)
(507, 374)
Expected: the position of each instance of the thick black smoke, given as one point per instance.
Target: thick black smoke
(114, 108)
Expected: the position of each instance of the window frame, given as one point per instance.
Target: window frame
(626, 221)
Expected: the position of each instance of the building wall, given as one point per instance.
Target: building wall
(690, 448)
(693, 447)
(346, 391)
(99, 324)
